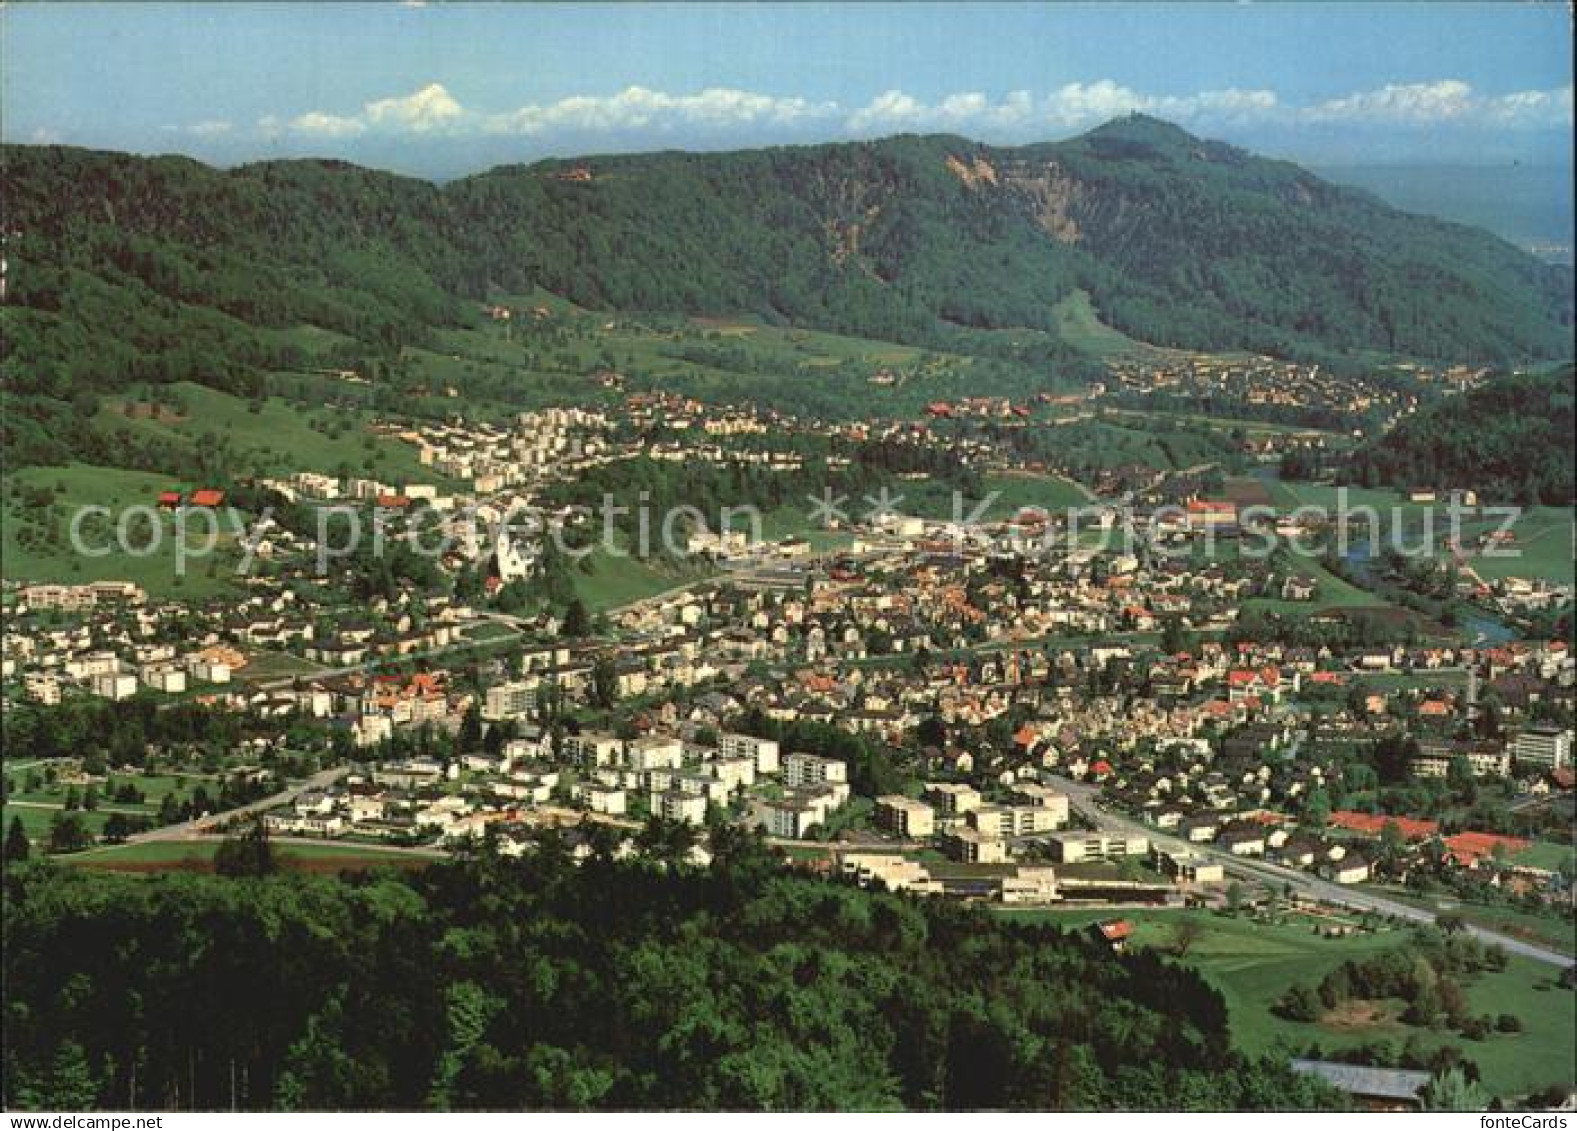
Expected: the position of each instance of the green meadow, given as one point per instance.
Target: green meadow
(41, 502)
(271, 437)
(1253, 963)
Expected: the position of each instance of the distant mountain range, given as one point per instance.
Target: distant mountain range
(125, 267)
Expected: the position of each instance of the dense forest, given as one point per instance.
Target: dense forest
(616, 984)
(1509, 439)
(125, 269)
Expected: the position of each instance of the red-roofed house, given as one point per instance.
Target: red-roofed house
(1115, 933)
(1205, 513)
(208, 497)
(1259, 683)
(169, 499)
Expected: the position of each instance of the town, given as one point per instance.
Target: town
(993, 707)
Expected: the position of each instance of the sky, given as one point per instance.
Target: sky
(441, 89)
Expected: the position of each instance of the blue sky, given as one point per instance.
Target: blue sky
(438, 89)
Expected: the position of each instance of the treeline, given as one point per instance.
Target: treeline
(105, 733)
(534, 983)
(1509, 439)
(1427, 976)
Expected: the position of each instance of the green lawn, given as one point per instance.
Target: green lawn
(1547, 855)
(37, 541)
(268, 665)
(277, 439)
(1327, 496)
(1253, 964)
(1049, 492)
(1544, 546)
(36, 821)
(1545, 930)
(607, 581)
(37, 808)
(795, 522)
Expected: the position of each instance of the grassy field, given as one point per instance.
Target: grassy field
(268, 665)
(526, 362)
(314, 341)
(1246, 425)
(1545, 930)
(1546, 536)
(606, 581)
(36, 538)
(1051, 492)
(277, 438)
(38, 807)
(1254, 963)
(1288, 495)
(1547, 855)
(794, 522)
(36, 819)
(1544, 547)
(1078, 324)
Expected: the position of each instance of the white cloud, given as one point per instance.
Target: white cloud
(1073, 106)
(637, 107)
(214, 127)
(430, 108)
(1412, 102)
(1016, 116)
(319, 124)
(427, 110)
(1447, 102)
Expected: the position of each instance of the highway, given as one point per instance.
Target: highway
(1084, 800)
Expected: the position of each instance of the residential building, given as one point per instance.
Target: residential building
(763, 751)
(802, 770)
(904, 817)
(115, 685)
(1543, 748)
(513, 700)
(677, 805)
(971, 847)
(1082, 847)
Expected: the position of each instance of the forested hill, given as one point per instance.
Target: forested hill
(1510, 440)
(125, 268)
(1180, 241)
(640, 984)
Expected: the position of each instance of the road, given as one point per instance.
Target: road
(189, 830)
(1084, 800)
